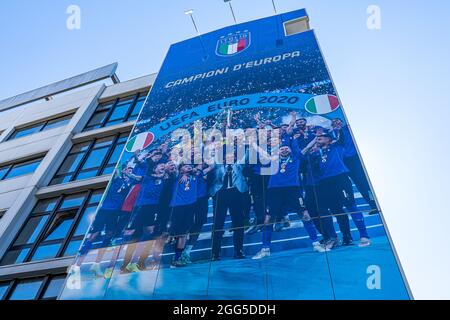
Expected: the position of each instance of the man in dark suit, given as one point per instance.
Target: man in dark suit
(228, 188)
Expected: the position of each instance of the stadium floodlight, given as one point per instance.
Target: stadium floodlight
(274, 7)
(190, 13)
(232, 11)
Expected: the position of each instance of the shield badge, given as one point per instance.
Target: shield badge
(233, 43)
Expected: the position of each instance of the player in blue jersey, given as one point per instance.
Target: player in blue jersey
(162, 220)
(284, 195)
(286, 135)
(182, 210)
(142, 222)
(353, 163)
(258, 191)
(301, 125)
(287, 132)
(302, 133)
(310, 181)
(328, 164)
(201, 209)
(107, 220)
(139, 166)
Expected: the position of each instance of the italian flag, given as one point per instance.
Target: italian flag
(227, 49)
(140, 142)
(323, 104)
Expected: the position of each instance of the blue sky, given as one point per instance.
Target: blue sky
(393, 83)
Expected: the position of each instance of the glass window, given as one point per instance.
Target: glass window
(26, 289)
(85, 222)
(20, 169)
(31, 230)
(41, 126)
(55, 228)
(61, 179)
(117, 111)
(105, 142)
(97, 120)
(87, 174)
(91, 159)
(96, 197)
(53, 288)
(23, 169)
(56, 123)
(126, 101)
(26, 131)
(74, 158)
(45, 287)
(72, 162)
(95, 158)
(81, 147)
(106, 106)
(46, 205)
(3, 172)
(3, 288)
(72, 248)
(73, 201)
(15, 257)
(137, 108)
(47, 251)
(116, 154)
(60, 226)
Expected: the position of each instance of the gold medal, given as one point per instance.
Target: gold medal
(284, 164)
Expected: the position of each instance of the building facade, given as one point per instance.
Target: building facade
(305, 225)
(58, 147)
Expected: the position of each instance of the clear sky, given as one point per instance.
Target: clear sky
(393, 83)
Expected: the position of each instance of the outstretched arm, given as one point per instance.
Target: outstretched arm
(257, 118)
(309, 146)
(290, 129)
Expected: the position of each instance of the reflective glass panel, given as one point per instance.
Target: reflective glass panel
(26, 289)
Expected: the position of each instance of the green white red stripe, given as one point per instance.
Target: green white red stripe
(323, 104)
(232, 48)
(140, 142)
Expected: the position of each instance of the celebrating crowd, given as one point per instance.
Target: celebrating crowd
(155, 199)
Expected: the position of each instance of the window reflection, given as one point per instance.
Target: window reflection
(41, 126)
(91, 159)
(26, 289)
(115, 112)
(19, 169)
(54, 229)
